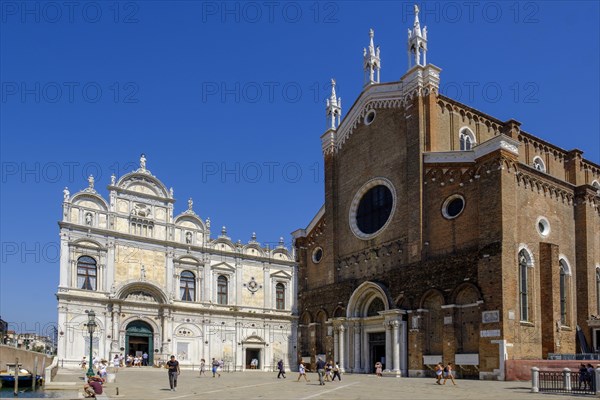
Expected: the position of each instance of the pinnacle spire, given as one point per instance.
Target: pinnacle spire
(417, 43)
(371, 61)
(334, 108)
(416, 25)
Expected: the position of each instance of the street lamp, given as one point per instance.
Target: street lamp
(91, 327)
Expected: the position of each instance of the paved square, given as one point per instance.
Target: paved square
(152, 383)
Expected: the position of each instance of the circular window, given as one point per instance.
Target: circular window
(317, 255)
(543, 226)
(453, 206)
(372, 208)
(370, 117)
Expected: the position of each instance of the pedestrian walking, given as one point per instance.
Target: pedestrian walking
(173, 366)
(328, 368)
(116, 362)
(321, 370)
(302, 372)
(145, 359)
(336, 372)
(202, 367)
(215, 367)
(448, 374)
(591, 375)
(281, 369)
(102, 373)
(378, 369)
(438, 373)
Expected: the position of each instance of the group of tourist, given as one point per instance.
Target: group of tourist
(118, 361)
(173, 368)
(586, 377)
(327, 371)
(445, 372)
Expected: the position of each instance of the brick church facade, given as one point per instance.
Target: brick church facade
(446, 235)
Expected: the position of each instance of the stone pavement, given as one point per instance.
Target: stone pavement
(152, 383)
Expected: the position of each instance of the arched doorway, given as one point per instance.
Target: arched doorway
(372, 332)
(138, 339)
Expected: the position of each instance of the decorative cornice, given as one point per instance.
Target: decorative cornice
(184, 247)
(500, 142)
(419, 81)
(535, 182)
(371, 254)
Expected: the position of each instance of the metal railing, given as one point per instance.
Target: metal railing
(565, 382)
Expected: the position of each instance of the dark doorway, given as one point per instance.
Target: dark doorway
(138, 340)
(253, 355)
(377, 349)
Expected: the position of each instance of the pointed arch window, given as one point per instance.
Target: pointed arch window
(538, 164)
(87, 272)
(564, 291)
(466, 139)
(222, 289)
(434, 324)
(524, 285)
(280, 296)
(596, 185)
(375, 306)
(187, 286)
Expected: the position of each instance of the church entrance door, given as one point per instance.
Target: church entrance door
(377, 349)
(253, 359)
(139, 340)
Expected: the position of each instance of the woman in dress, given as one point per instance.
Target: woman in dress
(203, 367)
(378, 369)
(302, 371)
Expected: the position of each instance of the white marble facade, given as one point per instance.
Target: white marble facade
(161, 284)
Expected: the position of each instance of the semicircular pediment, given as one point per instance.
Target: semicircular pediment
(89, 200)
(143, 183)
(142, 292)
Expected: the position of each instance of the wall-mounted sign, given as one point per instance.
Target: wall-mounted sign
(490, 316)
(491, 333)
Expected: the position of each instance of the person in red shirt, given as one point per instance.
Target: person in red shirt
(93, 387)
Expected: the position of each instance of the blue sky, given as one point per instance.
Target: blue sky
(227, 102)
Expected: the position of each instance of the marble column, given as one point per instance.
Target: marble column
(267, 287)
(396, 345)
(388, 346)
(170, 271)
(65, 265)
(341, 356)
(336, 350)
(110, 267)
(356, 348)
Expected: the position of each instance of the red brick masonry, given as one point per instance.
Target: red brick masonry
(520, 370)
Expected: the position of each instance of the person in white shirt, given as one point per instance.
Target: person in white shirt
(302, 371)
